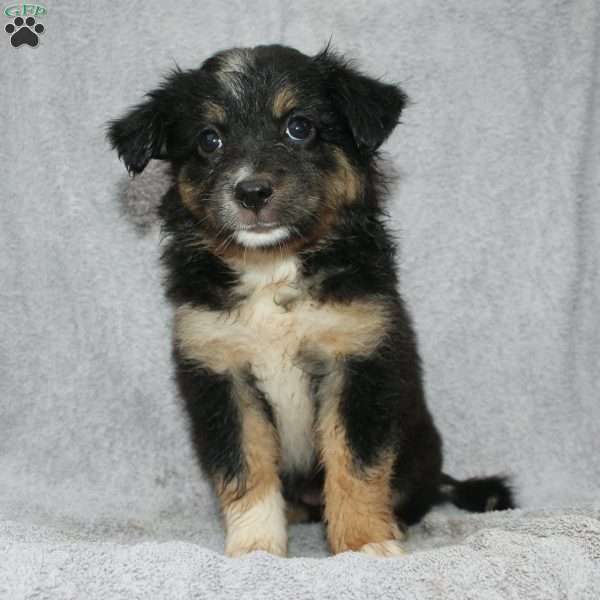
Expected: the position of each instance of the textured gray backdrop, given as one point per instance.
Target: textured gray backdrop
(498, 214)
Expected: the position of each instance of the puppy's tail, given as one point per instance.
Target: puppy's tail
(478, 494)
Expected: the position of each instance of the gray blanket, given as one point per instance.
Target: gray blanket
(499, 217)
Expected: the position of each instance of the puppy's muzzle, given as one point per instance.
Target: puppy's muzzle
(253, 194)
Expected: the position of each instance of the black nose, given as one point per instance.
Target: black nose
(253, 193)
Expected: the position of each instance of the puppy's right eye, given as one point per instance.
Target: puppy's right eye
(209, 141)
(299, 129)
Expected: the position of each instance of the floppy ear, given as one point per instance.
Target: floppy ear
(372, 108)
(140, 135)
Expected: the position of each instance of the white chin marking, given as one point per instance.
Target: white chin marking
(256, 239)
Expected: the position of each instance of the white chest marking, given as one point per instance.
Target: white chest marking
(277, 335)
(265, 333)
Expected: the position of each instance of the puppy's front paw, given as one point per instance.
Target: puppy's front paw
(237, 548)
(383, 549)
(261, 526)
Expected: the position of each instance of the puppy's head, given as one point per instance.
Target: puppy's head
(267, 144)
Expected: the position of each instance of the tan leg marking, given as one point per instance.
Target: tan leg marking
(254, 510)
(358, 503)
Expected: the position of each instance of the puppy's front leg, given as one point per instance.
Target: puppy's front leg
(358, 495)
(253, 505)
(239, 448)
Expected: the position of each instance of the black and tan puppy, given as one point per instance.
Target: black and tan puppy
(294, 351)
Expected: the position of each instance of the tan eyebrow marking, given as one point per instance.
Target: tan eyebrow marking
(285, 100)
(214, 112)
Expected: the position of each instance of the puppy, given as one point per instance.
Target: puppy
(294, 351)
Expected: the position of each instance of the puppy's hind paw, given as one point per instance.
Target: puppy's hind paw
(385, 549)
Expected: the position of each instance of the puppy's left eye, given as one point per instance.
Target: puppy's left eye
(300, 129)
(209, 140)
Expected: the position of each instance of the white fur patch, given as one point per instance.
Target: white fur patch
(256, 239)
(236, 60)
(242, 173)
(277, 374)
(385, 549)
(286, 387)
(263, 526)
(234, 63)
(276, 272)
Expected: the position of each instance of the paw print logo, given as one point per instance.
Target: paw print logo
(24, 32)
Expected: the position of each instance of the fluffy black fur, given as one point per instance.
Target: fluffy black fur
(382, 404)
